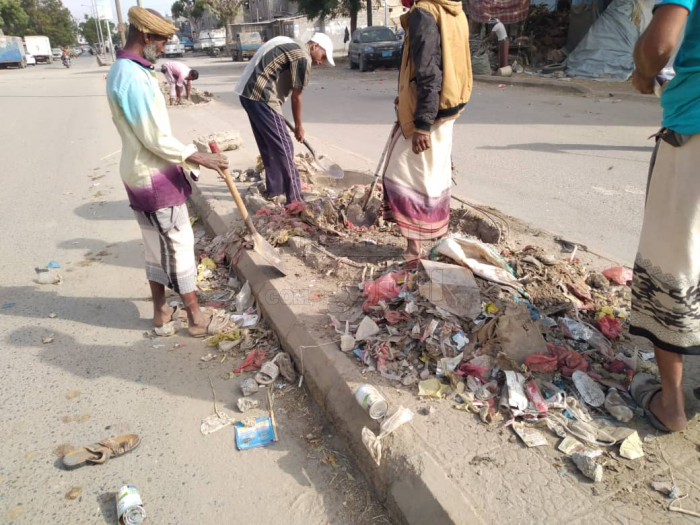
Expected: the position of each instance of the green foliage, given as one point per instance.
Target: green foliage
(43, 17)
(13, 19)
(88, 28)
(193, 10)
(226, 10)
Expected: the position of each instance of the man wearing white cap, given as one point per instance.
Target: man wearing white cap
(282, 66)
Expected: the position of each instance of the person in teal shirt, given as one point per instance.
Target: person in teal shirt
(666, 284)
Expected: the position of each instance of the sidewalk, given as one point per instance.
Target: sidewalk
(446, 467)
(589, 88)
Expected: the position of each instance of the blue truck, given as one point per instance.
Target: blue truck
(12, 52)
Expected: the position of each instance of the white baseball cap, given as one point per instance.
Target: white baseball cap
(326, 43)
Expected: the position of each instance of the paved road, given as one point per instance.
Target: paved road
(569, 164)
(62, 200)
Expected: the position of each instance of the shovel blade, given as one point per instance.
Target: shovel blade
(268, 252)
(330, 168)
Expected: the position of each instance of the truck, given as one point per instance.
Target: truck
(216, 38)
(173, 48)
(244, 45)
(12, 52)
(40, 47)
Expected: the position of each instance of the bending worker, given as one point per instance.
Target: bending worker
(280, 67)
(178, 76)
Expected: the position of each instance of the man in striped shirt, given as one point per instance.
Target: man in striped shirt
(281, 67)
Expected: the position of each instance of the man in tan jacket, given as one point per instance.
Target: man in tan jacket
(435, 82)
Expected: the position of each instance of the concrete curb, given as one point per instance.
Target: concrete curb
(410, 482)
(561, 86)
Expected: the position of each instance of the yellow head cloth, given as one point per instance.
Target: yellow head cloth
(146, 22)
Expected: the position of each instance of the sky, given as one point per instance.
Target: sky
(79, 8)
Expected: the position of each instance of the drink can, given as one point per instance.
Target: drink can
(130, 509)
(372, 401)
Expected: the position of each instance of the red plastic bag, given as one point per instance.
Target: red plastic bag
(542, 363)
(610, 327)
(252, 361)
(618, 275)
(467, 369)
(394, 316)
(383, 288)
(568, 360)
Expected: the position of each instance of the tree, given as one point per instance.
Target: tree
(88, 28)
(226, 10)
(50, 18)
(13, 19)
(332, 8)
(193, 10)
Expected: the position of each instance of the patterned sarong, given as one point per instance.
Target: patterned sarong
(666, 284)
(417, 187)
(168, 241)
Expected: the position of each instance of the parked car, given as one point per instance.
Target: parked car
(210, 39)
(187, 42)
(374, 46)
(12, 52)
(57, 53)
(173, 48)
(29, 59)
(245, 45)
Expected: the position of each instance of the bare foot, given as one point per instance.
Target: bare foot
(162, 316)
(673, 416)
(199, 330)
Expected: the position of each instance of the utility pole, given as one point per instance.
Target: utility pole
(386, 13)
(120, 26)
(369, 13)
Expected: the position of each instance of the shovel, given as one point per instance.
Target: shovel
(322, 163)
(260, 245)
(357, 214)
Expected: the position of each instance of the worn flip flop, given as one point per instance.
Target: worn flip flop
(100, 452)
(269, 372)
(643, 389)
(284, 362)
(218, 322)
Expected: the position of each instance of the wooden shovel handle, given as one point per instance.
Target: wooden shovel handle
(214, 147)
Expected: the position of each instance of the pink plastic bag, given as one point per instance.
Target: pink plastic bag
(610, 327)
(383, 288)
(467, 369)
(542, 363)
(618, 275)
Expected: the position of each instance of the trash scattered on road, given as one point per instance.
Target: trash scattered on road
(48, 339)
(74, 493)
(530, 436)
(631, 447)
(53, 265)
(245, 403)
(373, 443)
(48, 277)
(6, 306)
(588, 467)
(260, 434)
(372, 401)
(130, 509)
(249, 387)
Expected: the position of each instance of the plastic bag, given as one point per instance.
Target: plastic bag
(618, 275)
(373, 443)
(542, 363)
(383, 288)
(610, 327)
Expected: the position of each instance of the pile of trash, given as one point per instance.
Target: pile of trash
(196, 96)
(548, 31)
(516, 337)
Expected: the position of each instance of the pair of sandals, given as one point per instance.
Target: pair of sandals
(98, 453)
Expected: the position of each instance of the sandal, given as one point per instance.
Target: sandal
(269, 372)
(286, 368)
(100, 452)
(217, 324)
(643, 389)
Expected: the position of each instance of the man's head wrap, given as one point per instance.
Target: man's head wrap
(147, 22)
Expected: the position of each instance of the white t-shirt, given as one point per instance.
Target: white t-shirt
(500, 31)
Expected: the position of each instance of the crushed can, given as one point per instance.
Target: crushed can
(372, 401)
(130, 509)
